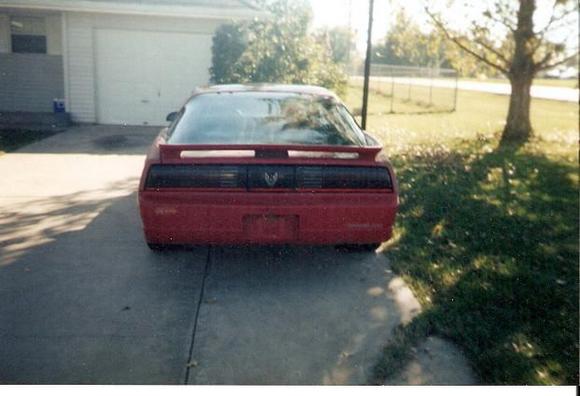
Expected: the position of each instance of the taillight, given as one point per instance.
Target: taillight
(343, 177)
(268, 177)
(199, 176)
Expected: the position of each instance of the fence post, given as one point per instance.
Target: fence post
(430, 86)
(456, 89)
(392, 88)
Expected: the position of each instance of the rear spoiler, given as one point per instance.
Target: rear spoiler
(179, 152)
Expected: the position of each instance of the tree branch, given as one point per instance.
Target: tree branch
(544, 60)
(544, 65)
(493, 51)
(505, 22)
(550, 53)
(540, 35)
(465, 48)
(555, 19)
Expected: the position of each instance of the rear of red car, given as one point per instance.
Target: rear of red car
(256, 193)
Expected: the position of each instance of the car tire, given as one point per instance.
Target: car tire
(367, 247)
(156, 247)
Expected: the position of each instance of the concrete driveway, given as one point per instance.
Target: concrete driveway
(85, 301)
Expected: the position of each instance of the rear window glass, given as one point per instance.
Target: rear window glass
(265, 118)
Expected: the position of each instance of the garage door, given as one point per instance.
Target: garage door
(142, 76)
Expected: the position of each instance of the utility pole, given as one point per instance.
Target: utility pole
(367, 67)
(348, 57)
(349, 14)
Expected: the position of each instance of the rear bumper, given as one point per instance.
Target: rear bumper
(266, 218)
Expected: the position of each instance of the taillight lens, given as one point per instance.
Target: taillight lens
(268, 177)
(199, 176)
(343, 177)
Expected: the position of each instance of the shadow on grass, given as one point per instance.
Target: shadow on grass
(489, 241)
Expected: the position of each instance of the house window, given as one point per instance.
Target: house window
(28, 35)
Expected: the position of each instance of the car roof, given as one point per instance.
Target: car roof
(282, 88)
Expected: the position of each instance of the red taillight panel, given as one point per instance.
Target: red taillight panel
(267, 177)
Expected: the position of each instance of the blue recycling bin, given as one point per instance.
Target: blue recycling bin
(58, 106)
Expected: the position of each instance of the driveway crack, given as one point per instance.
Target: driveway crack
(190, 363)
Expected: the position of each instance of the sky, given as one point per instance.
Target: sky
(341, 12)
(355, 13)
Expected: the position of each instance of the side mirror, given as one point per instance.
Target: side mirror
(171, 116)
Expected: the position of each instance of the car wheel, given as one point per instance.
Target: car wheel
(367, 247)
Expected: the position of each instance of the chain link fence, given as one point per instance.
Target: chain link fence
(409, 89)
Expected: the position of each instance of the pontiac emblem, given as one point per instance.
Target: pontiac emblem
(271, 178)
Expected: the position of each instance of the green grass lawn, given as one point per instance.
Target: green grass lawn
(487, 237)
(11, 140)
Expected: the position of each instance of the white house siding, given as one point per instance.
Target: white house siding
(54, 34)
(80, 93)
(80, 41)
(30, 82)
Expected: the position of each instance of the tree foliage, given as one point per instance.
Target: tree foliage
(406, 44)
(340, 40)
(275, 49)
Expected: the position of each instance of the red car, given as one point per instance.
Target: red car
(266, 164)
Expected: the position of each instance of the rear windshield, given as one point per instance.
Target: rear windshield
(265, 118)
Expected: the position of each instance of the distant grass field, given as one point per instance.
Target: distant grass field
(478, 115)
(487, 237)
(546, 82)
(408, 99)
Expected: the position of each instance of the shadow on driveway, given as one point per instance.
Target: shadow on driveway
(94, 306)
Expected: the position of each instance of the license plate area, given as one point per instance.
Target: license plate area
(273, 228)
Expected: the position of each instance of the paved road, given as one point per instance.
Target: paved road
(537, 91)
(85, 301)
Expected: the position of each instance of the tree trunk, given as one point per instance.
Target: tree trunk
(518, 126)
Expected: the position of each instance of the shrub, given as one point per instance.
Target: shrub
(277, 49)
